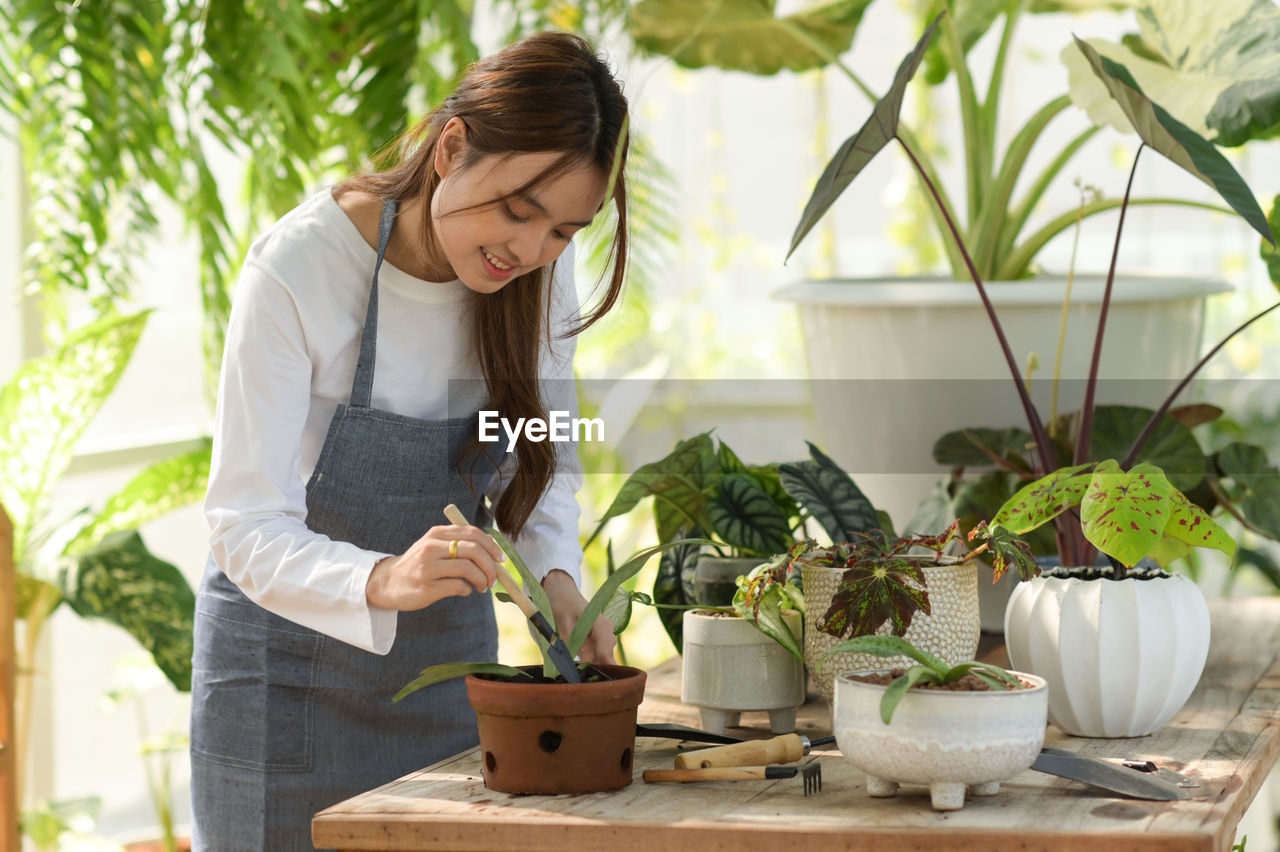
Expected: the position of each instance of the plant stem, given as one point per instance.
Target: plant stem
(1168, 402)
(1086, 408)
(1062, 320)
(1033, 419)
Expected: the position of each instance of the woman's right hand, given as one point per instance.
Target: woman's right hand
(426, 572)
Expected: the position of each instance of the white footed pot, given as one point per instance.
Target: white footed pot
(951, 741)
(730, 667)
(1121, 656)
(950, 632)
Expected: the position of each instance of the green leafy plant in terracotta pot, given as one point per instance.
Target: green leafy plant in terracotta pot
(1183, 616)
(962, 728)
(539, 733)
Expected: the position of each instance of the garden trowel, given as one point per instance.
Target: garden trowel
(556, 649)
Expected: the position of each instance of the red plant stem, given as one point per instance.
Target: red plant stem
(1043, 447)
(1168, 403)
(1086, 409)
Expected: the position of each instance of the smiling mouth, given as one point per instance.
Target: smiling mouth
(497, 262)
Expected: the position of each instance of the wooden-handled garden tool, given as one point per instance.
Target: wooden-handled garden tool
(556, 649)
(786, 748)
(811, 773)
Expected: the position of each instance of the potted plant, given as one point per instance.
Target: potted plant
(1213, 78)
(749, 657)
(1160, 131)
(905, 587)
(963, 727)
(539, 733)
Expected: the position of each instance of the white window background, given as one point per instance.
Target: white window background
(744, 152)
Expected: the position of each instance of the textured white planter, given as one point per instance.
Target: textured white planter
(951, 741)
(922, 348)
(1121, 656)
(949, 632)
(730, 667)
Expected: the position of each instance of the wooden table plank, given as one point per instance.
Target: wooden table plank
(1228, 736)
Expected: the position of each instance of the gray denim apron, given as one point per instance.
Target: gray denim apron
(287, 721)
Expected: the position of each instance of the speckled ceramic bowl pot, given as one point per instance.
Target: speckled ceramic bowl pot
(951, 741)
(950, 632)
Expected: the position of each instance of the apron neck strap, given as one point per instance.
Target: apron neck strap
(362, 385)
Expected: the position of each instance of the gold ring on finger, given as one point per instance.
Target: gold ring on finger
(453, 549)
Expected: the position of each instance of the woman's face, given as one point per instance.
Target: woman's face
(489, 242)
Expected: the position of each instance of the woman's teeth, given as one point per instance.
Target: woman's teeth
(498, 263)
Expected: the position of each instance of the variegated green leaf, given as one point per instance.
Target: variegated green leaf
(859, 149)
(1043, 500)
(889, 646)
(677, 482)
(897, 690)
(1175, 140)
(829, 494)
(747, 518)
(1124, 513)
(673, 586)
(874, 593)
(1217, 72)
(1191, 525)
(745, 35)
(122, 582)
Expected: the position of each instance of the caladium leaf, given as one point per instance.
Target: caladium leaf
(861, 147)
(745, 516)
(1043, 500)
(829, 494)
(1191, 525)
(745, 35)
(1217, 73)
(873, 593)
(1124, 512)
(1175, 140)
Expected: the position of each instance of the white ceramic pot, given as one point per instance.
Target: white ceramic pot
(951, 741)
(730, 667)
(1121, 656)
(923, 348)
(950, 631)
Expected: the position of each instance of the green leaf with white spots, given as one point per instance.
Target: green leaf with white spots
(745, 35)
(1218, 71)
(859, 149)
(1175, 140)
(1043, 500)
(1124, 513)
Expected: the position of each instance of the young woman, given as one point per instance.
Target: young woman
(370, 325)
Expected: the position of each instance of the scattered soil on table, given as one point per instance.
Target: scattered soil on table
(968, 683)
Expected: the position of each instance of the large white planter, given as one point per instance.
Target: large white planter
(950, 631)
(1121, 656)
(951, 741)
(923, 350)
(730, 667)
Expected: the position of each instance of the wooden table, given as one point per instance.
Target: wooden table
(1227, 736)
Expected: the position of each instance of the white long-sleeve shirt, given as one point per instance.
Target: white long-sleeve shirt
(291, 350)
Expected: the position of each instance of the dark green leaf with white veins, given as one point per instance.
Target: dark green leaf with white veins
(1175, 140)
(861, 147)
(873, 593)
(747, 518)
(1043, 500)
(830, 495)
(745, 35)
(1124, 512)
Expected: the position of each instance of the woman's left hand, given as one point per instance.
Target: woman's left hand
(567, 604)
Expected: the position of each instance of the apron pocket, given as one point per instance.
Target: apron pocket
(253, 690)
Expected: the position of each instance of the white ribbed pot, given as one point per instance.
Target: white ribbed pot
(1121, 656)
(922, 348)
(950, 631)
(955, 742)
(729, 667)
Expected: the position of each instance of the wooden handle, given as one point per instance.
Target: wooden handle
(508, 583)
(728, 773)
(787, 748)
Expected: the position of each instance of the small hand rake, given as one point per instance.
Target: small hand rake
(811, 773)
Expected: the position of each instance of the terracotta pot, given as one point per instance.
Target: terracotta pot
(557, 737)
(950, 632)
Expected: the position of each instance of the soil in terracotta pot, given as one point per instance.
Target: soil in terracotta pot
(536, 677)
(968, 683)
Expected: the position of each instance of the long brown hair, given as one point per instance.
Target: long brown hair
(547, 92)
